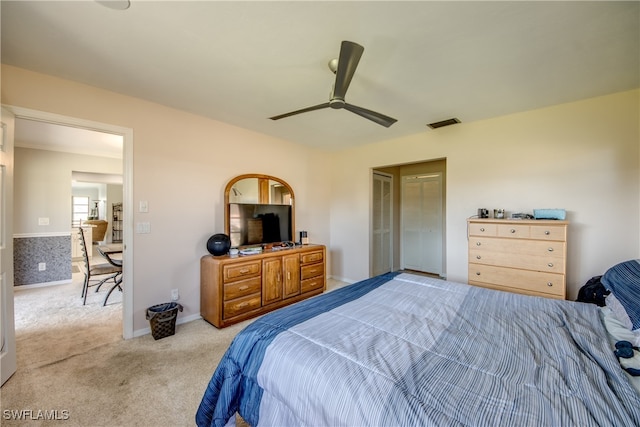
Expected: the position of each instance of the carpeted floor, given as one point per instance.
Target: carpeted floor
(74, 364)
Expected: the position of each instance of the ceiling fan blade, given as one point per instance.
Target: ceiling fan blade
(350, 54)
(304, 110)
(380, 119)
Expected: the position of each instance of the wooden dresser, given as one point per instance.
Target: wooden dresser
(233, 289)
(523, 256)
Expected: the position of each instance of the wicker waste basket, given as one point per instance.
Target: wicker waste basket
(162, 318)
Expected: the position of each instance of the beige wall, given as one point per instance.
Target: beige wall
(581, 156)
(42, 187)
(181, 165)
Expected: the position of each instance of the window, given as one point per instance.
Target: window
(79, 209)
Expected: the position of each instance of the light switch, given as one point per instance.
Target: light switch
(43, 221)
(144, 206)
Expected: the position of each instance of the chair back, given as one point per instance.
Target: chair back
(85, 254)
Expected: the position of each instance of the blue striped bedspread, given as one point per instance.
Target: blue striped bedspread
(408, 350)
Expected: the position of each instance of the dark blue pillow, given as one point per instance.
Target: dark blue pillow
(623, 280)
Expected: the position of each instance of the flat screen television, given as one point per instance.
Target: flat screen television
(255, 224)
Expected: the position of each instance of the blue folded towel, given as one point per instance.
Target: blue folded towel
(549, 214)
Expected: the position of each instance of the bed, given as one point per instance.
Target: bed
(403, 349)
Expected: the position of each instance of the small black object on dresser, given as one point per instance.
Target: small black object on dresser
(218, 244)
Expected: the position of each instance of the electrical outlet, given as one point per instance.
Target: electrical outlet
(175, 296)
(143, 228)
(42, 266)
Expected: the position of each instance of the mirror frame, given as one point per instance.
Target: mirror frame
(263, 197)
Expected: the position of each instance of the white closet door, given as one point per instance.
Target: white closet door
(381, 238)
(421, 223)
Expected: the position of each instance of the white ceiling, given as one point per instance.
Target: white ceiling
(241, 62)
(48, 136)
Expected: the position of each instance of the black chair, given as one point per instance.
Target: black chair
(116, 263)
(90, 271)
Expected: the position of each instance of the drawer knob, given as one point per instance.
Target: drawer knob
(550, 264)
(244, 271)
(549, 284)
(482, 229)
(547, 232)
(550, 249)
(478, 257)
(243, 305)
(513, 230)
(477, 273)
(478, 244)
(243, 288)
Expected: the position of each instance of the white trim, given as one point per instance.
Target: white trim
(42, 285)
(345, 280)
(52, 234)
(127, 194)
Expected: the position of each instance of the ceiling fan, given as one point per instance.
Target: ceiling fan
(344, 68)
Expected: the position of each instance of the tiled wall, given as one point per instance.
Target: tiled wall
(28, 252)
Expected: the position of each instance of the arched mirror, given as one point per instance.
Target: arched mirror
(259, 210)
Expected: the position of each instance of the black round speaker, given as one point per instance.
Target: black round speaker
(218, 244)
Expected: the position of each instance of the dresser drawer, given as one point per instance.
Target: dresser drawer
(312, 284)
(549, 232)
(514, 280)
(476, 229)
(241, 305)
(239, 271)
(311, 257)
(313, 270)
(544, 262)
(513, 231)
(551, 249)
(241, 288)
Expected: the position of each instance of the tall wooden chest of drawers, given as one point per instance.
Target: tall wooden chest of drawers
(522, 256)
(233, 289)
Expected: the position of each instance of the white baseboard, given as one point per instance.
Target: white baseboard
(42, 285)
(343, 279)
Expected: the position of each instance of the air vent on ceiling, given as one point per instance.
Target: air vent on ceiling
(443, 123)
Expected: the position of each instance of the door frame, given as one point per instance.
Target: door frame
(127, 193)
(8, 358)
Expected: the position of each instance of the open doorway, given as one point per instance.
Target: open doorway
(419, 249)
(63, 215)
